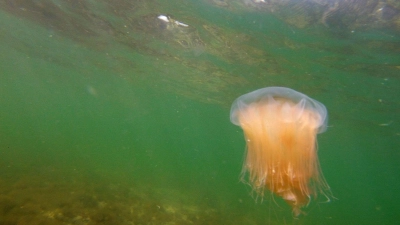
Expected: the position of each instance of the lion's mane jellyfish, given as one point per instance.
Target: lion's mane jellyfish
(280, 127)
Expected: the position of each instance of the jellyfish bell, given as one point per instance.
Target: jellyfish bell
(280, 127)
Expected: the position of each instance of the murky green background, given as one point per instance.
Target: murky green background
(109, 115)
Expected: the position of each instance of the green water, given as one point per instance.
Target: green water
(110, 117)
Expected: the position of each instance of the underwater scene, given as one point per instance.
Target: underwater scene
(147, 112)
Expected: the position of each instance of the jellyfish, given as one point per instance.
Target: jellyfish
(280, 126)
